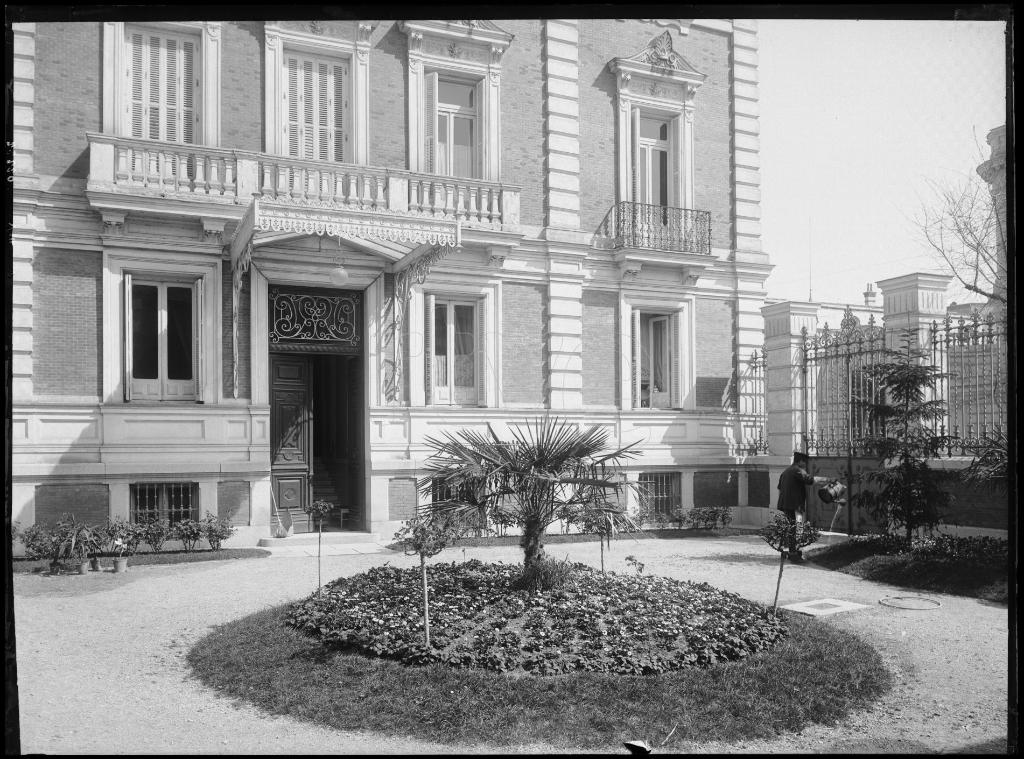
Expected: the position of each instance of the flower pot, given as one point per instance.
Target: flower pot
(94, 564)
(121, 564)
(83, 567)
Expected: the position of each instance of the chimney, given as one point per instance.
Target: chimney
(869, 295)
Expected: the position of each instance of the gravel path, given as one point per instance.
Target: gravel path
(101, 665)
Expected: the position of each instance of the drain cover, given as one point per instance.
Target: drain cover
(823, 607)
(915, 603)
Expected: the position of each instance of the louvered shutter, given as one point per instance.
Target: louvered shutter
(339, 108)
(676, 363)
(480, 162)
(293, 93)
(127, 335)
(161, 84)
(197, 339)
(481, 355)
(189, 83)
(307, 103)
(635, 353)
(634, 146)
(428, 348)
(136, 105)
(430, 122)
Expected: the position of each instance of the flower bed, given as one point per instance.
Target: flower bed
(613, 623)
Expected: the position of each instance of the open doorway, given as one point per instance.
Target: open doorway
(316, 421)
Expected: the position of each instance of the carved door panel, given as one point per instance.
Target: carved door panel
(291, 434)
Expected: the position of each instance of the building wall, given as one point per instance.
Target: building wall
(522, 117)
(88, 501)
(708, 52)
(716, 488)
(388, 91)
(244, 344)
(600, 348)
(714, 354)
(67, 328)
(523, 349)
(67, 97)
(233, 502)
(242, 102)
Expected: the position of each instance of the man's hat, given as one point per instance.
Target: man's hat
(799, 456)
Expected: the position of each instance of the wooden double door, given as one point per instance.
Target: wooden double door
(315, 424)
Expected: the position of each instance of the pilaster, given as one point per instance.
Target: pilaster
(562, 123)
(746, 135)
(784, 324)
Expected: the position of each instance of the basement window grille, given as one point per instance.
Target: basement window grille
(172, 501)
(660, 491)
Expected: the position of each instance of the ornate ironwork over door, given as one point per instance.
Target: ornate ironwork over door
(324, 321)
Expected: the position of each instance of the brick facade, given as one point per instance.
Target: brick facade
(241, 114)
(523, 350)
(67, 97)
(714, 353)
(67, 330)
(600, 348)
(388, 110)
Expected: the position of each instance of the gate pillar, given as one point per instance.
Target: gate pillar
(784, 326)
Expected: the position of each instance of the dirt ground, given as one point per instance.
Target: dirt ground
(101, 657)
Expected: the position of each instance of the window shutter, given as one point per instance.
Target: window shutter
(676, 364)
(481, 355)
(292, 127)
(197, 339)
(675, 200)
(430, 122)
(340, 110)
(428, 348)
(171, 75)
(306, 104)
(136, 86)
(127, 341)
(189, 116)
(635, 352)
(634, 138)
(481, 162)
(323, 113)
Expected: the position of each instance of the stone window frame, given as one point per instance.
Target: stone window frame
(158, 265)
(656, 83)
(116, 88)
(488, 298)
(276, 41)
(466, 50)
(683, 310)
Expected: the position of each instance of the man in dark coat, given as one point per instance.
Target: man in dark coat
(793, 484)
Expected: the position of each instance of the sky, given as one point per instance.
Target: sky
(856, 118)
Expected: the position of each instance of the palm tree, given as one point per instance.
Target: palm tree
(551, 467)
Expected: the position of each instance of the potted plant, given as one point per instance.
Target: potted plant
(120, 560)
(77, 541)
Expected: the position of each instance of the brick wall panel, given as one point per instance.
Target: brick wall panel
(388, 92)
(713, 354)
(242, 101)
(523, 339)
(67, 331)
(233, 501)
(715, 488)
(600, 348)
(67, 97)
(89, 502)
(244, 345)
(401, 498)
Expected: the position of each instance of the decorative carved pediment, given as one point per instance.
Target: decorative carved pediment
(454, 36)
(658, 70)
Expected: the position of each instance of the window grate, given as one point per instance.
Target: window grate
(660, 492)
(172, 501)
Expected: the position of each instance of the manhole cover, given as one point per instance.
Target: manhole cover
(914, 603)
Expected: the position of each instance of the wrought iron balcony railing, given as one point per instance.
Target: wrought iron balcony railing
(639, 225)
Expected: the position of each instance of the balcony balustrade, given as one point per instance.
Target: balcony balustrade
(640, 225)
(137, 169)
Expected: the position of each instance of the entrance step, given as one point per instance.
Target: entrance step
(327, 539)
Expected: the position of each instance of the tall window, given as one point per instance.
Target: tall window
(162, 83)
(656, 365)
(453, 349)
(660, 492)
(451, 141)
(170, 501)
(653, 164)
(317, 120)
(162, 353)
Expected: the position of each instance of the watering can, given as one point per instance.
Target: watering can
(832, 491)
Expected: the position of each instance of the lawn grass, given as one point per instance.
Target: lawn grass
(962, 578)
(625, 538)
(818, 674)
(143, 559)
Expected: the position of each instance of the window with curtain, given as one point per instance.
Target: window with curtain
(452, 111)
(452, 352)
(162, 351)
(656, 376)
